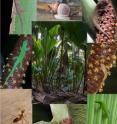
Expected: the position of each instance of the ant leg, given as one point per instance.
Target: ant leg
(25, 120)
(22, 121)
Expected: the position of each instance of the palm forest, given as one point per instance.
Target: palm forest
(58, 62)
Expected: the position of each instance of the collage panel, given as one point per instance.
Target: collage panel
(22, 15)
(55, 10)
(101, 109)
(100, 18)
(58, 63)
(101, 58)
(15, 106)
(101, 66)
(16, 55)
(59, 113)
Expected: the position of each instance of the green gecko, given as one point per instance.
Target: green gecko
(18, 60)
(104, 109)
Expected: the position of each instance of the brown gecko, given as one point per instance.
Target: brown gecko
(98, 11)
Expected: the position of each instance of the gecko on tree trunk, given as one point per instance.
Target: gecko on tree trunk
(18, 61)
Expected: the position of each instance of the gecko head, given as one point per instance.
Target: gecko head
(25, 44)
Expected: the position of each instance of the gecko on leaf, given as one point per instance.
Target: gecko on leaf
(98, 11)
(103, 107)
(19, 60)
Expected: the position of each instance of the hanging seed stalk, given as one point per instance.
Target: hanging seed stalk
(102, 56)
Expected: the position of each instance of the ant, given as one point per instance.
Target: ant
(20, 118)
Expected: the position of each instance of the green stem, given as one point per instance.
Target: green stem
(91, 104)
(108, 104)
(99, 114)
(114, 109)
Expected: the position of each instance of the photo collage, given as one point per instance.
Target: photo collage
(58, 62)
